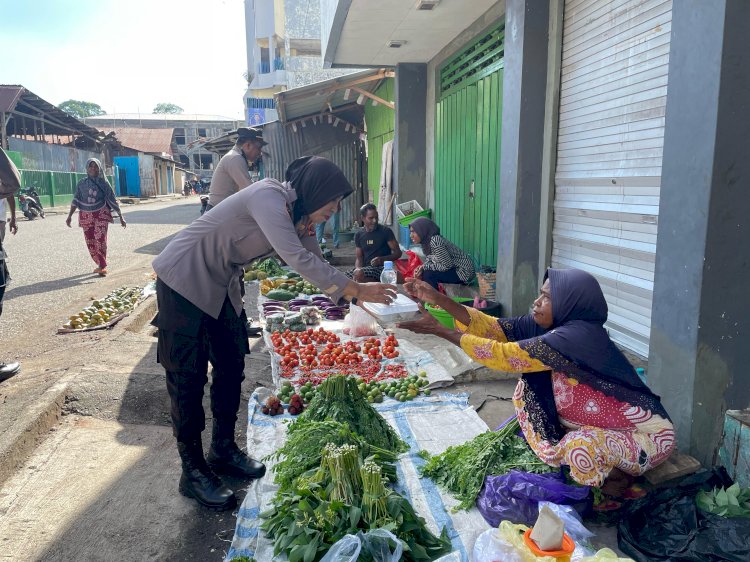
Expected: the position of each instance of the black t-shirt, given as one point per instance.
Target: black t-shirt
(374, 244)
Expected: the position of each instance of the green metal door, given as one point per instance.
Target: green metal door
(467, 147)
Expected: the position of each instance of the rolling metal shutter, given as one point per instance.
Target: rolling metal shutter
(613, 90)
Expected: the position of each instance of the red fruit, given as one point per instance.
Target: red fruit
(294, 411)
(265, 410)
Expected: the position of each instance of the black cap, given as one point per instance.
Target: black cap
(245, 134)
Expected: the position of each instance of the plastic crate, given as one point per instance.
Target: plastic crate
(409, 208)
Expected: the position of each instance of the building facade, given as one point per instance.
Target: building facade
(283, 52)
(190, 133)
(605, 136)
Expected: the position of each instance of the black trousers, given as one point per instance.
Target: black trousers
(188, 340)
(4, 276)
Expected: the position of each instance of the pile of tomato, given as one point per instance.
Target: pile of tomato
(316, 354)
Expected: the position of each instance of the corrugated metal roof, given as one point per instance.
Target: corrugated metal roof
(325, 97)
(9, 97)
(167, 117)
(20, 102)
(145, 140)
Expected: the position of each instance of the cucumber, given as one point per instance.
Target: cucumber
(280, 295)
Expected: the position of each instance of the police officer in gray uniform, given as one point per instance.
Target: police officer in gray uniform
(233, 171)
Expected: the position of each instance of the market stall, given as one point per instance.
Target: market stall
(345, 386)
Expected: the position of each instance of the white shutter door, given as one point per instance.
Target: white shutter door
(613, 90)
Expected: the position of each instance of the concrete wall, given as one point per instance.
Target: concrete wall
(409, 150)
(488, 20)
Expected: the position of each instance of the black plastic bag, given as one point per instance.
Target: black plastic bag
(667, 526)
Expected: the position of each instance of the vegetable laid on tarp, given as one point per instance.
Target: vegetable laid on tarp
(462, 469)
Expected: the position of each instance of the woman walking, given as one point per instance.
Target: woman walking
(95, 201)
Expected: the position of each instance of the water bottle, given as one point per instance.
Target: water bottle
(641, 373)
(389, 274)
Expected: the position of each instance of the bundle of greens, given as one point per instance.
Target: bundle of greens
(462, 469)
(339, 399)
(727, 502)
(271, 267)
(344, 496)
(304, 445)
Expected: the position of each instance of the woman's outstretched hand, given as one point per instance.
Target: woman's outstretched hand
(426, 324)
(421, 290)
(376, 292)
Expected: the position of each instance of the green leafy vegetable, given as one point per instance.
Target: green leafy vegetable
(727, 502)
(462, 469)
(339, 399)
(271, 267)
(304, 446)
(343, 496)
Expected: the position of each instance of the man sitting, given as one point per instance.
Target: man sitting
(375, 244)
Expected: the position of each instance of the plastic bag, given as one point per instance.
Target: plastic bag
(346, 549)
(603, 555)
(381, 545)
(515, 496)
(359, 323)
(406, 267)
(667, 525)
(490, 547)
(572, 521)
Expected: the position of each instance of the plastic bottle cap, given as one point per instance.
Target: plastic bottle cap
(388, 264)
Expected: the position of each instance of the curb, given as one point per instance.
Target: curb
(27, 433)
(143, 316)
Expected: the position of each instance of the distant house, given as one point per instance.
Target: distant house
(144, 163)
(189, 134)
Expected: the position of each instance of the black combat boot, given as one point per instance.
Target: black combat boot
(199, 482)
(225, 456)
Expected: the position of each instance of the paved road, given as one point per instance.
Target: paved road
(52, 270)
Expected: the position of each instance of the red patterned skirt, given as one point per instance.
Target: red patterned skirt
(602, 433)
(95, 225)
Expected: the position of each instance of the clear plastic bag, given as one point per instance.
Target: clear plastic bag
(346, 549)
(359, 323)
(490, 547)
(381, 545)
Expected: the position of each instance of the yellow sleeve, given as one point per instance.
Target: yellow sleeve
(500, 356)
(482, 325)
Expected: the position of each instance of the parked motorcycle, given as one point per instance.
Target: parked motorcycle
(30, 204)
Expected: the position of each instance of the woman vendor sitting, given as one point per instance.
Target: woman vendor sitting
(579, 401)
(444, 262)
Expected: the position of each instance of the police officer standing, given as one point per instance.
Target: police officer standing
(233, 171)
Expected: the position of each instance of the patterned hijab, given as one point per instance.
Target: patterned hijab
(425, 229)
(577, 344)
(317, 181)
(94, 192)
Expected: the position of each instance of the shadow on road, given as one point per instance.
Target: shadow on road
(155, 248)
(51, 285)
(140, 514)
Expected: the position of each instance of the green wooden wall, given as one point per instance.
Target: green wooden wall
(468, 125)
(381, 122)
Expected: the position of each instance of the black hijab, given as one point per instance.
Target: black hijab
(317, 181)
(580, 346)
(425, 229)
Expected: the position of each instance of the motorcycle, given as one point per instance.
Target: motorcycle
(30, 204)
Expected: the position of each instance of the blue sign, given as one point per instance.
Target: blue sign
(256, 116)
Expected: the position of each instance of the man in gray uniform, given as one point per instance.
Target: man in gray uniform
(233, 171)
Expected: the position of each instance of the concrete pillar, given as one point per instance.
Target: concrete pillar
(521, 177)
(410, 141)
(701, 307)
